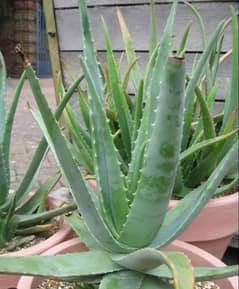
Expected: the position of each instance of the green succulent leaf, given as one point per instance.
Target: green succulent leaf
(122, 280)
(129, 47)
(82, 231)
(205, 144)
(120, 102)
(201, 273)
(39, 197)
(9, 123)
(69, 168)
(89, 50)
(182, 45)
(61, 266)
(232, 101)
(35, 164)
(196, 75)
(145, 260)
(155, 283)
(152, 89)
(81, 139)
(187, 209)
(162, 154)
(3, 77)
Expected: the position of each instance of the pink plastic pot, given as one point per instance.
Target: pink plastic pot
(64, 233)
(198, 257)
(213, 228)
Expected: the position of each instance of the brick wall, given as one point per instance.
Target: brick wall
(7, 34)
(18, 27)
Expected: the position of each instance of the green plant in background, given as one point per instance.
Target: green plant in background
(127, 223)
(22, 212)
(206, 137)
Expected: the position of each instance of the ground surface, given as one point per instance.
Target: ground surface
(26, 133)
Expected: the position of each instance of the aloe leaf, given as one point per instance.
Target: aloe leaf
(216, 61)
(89, 50)
(62, 266)
(120, 102)
(179, 181)
(77, 127)
(201, 273)
(122, 280)
(153, 28)
(39, 197)
(4, 182)
(200, 22)
(155, 283)
(152, 90)
(206, 143)
(81, 139)
(81, 96)
(127, 75)
(182, 215)
(129, 47)
(156, 183)
(8, 224)
(149, 71)
(227, 188)
(210, 101)
(41, 150)
(197, 72)
(84, 108)
(109, 177)
(181, 267)
(146, 259)
(138, 111)
(82, 231)
(69, 169)
(9, 123)
(233, 99)
(181, 49)
(208, 126)
(27, 220)
(3, 79)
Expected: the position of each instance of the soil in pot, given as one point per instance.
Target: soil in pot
(53, 284)
(20, 242)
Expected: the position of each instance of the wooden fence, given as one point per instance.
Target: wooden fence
(137, 16)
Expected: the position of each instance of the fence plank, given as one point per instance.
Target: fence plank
(73, 3)
(72, 60)
(137, 18)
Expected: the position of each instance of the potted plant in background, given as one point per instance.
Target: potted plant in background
(204, 127)
(28, 224)
(206, 138)
(127, 223)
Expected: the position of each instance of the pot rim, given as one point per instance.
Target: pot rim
(27, 280)
(217, 202)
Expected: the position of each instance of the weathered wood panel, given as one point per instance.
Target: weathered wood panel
(138, 19)
(72, 60)
(74, 3)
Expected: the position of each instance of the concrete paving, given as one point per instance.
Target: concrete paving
(26, 133)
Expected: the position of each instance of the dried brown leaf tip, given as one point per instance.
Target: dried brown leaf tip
(19, 51)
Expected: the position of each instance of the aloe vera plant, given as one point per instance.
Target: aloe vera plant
(206, 137)
(126, 224)
(20, 210)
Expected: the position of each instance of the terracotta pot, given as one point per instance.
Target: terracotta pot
(213, 228)
(64, 233)
(198, 257)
